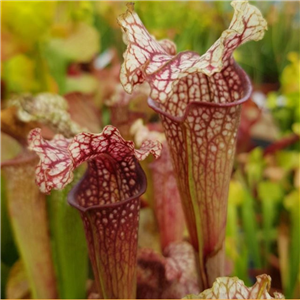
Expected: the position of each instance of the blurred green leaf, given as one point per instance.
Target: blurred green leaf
(288, 160)
(272, 100)
(9, 253)
(270, 194)
(251, 229)
(289, 78)
(68, 245)
(270, 191)
(292, 204)
(28, 20)
(254, 167)
(236, 194)
(83, 11)
(284, 104)
(242, 264)
(58, 65)
(296, 128)
(18, 73)
(281, 38)
(84, 83)
(17, 283)
(81, 45)
(236, 249)
(4, 277)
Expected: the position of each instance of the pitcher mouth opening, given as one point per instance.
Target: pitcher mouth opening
(141, 177)
(247, 93)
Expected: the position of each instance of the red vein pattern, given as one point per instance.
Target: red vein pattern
(171, 276)
(233, 288)
(107, 198)
(198, 99)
